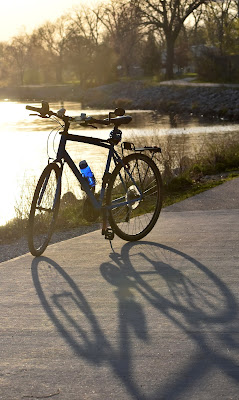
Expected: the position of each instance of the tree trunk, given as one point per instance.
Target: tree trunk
(170, 58)
(59, 69)
(59, 73)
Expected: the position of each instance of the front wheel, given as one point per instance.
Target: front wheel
(134, 197)
(44, 209)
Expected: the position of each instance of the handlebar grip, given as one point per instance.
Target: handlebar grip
(43, 110)
(36, 109)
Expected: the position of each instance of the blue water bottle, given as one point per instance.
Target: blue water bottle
(87, 173)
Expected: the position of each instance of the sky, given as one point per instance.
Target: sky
(24, 15)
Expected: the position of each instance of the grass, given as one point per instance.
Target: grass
(12, 231)
(172, 197)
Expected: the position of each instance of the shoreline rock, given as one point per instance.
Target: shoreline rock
(221, 102)
(210, 101)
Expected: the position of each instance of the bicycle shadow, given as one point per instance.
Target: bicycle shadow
(196, 309)
(140, 269)
(66, 307)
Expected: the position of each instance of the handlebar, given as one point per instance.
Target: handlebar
(34, 109)
(83, 120)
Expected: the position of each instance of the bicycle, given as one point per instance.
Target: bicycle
(130, 198)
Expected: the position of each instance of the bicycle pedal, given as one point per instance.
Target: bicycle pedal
(109, 234)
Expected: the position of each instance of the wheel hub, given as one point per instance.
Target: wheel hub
(132, 194)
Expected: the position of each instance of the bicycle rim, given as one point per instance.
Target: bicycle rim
(44, 209)
(139, 186)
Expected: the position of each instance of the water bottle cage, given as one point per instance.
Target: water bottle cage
(87, 181)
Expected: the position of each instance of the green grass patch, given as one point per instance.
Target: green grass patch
(13, 230)
(70, 216)
(174, 196)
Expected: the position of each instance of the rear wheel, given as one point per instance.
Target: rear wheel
(44, 209)
(139, 185)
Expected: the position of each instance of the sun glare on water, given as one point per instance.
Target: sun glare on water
(16, 151)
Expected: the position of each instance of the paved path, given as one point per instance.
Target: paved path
(190, 82)
(223, 197)
(156, 319)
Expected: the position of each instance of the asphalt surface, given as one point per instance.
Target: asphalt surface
(190, 82)
(154, 319)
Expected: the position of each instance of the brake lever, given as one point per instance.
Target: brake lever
(85, 124)
(38, 115)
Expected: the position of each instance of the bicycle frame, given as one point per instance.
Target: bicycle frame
(129, 180)
(62, 154)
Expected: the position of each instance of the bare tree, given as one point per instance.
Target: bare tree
(53, 37)
(169, 17)
(196, 28)
(83, 44)
(219, 21)
(121, 21)
(151, 55)
(4, 70)
(18, 54)
(236, 6)
(86, 23)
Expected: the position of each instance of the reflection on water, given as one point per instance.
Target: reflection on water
(25, 145)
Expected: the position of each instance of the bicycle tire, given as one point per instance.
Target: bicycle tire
(44, 209)
(135, 220)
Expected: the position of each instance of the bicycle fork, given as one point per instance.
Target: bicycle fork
(58, 188)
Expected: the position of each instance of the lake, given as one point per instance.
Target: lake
(25, 145)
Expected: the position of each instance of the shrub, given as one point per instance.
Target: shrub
(123, 102)
(180, 183)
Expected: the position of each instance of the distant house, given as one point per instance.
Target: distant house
(200, 49)
(135, 71)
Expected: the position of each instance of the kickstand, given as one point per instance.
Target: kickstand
(104, 221)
